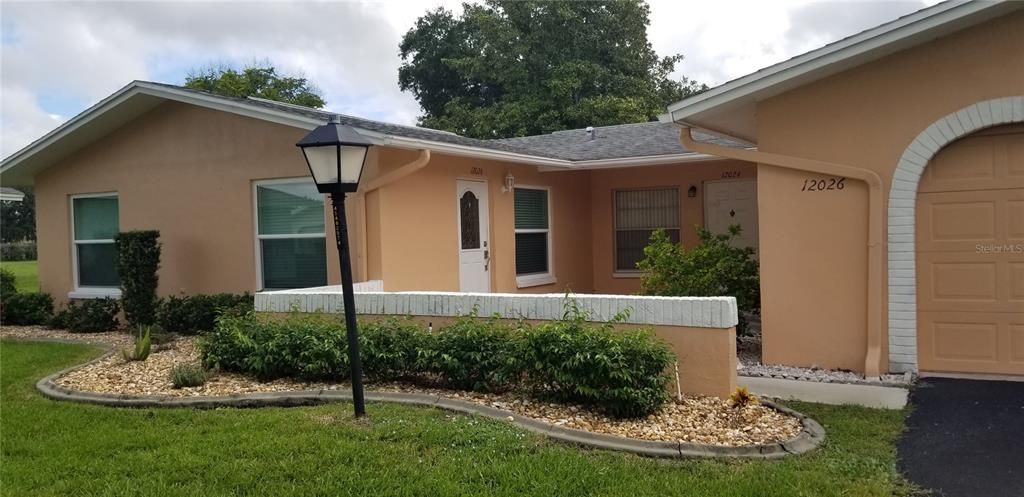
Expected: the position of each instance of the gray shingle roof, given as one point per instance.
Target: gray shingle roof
(612, 142)
(609, 142)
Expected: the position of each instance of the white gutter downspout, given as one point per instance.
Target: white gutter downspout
(876, 209)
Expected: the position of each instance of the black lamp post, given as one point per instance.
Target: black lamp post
(335, 155)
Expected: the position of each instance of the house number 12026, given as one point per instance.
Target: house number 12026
(820, 185)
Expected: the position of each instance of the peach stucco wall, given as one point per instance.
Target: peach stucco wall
(604, 182)
(813, 244)
(419, 231)
(185, 171)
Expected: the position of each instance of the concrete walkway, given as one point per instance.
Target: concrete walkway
(965, 438)
(878, 397)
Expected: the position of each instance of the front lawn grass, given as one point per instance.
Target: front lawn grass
(59, 448)
(26, 274)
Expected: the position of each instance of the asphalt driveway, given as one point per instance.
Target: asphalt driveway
(965, 438)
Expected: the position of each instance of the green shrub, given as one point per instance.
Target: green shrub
(138, 259)
(193, 314)
(26, 309)
(18, 251)
(622, 373)
(306, 346)
(475, 354)
(187, 375)
(713, 268)
(8, 284)
(88, 316)
(390, 348)
(143, 345)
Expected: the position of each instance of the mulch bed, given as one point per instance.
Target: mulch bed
(694, 419)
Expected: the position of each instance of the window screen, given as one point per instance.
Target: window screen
(638, 213)
(532, 231)
(95, 225)
(291, 236)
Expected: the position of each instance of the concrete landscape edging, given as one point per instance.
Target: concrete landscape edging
(811, 435)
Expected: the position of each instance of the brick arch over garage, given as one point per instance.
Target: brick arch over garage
(901, 216)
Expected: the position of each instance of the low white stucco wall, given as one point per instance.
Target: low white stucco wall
(698, 312)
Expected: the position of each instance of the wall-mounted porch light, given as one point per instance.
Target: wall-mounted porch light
(510, 183)
(692, 192)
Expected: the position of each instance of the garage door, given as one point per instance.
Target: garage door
(970, 256)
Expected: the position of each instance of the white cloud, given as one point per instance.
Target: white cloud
(81, 52)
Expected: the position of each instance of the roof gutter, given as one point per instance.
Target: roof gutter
(876, 208)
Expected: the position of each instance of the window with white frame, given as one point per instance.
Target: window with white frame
(637, 214)
(94, 223)
(533, 236)
(290, 236)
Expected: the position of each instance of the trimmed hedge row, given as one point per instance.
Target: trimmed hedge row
(88, 316)
(621, 373)
(192, 314)
(22, 308)
(18, 251)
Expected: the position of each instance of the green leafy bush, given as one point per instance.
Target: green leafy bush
(26, 308)
(18, 251)
(187, 375)
(138, 259)
(88, 316)
(8, 283)
(391, 348)
(622, 373)
(714, 268)
(143, 345)
(193, 314)
(475, 354)
(309, 347)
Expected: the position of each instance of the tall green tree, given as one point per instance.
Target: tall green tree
(521, 67)
(256, 80)
(18, 219)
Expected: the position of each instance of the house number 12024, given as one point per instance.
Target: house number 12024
(820, 185)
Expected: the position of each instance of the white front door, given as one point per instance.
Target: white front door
(474, 246)
(730, 202)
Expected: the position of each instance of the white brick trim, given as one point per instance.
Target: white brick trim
(699, 312)
(903, 285)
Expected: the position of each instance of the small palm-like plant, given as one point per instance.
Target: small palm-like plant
(742, 398)
(143, 343)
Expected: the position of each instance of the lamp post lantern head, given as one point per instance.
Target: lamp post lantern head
(335, 154)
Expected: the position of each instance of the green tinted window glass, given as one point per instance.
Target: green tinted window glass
(294, 262)
(290, 209)
(97, 264)
(95, 218)
(531, 253)
(531, 208)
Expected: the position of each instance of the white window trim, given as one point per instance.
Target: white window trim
(537, 279)
(256, 222)
(636, 273)
(89, 292)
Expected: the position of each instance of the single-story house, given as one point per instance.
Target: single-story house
(880, 178)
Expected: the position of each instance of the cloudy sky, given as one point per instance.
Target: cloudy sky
(57, 58)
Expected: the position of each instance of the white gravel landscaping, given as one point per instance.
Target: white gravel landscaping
(706, 420)
(750, 365)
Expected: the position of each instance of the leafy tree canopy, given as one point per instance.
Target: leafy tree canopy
(18, 219)
(256, 80)
(513, 68)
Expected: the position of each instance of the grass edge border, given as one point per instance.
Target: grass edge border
(811, 436)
